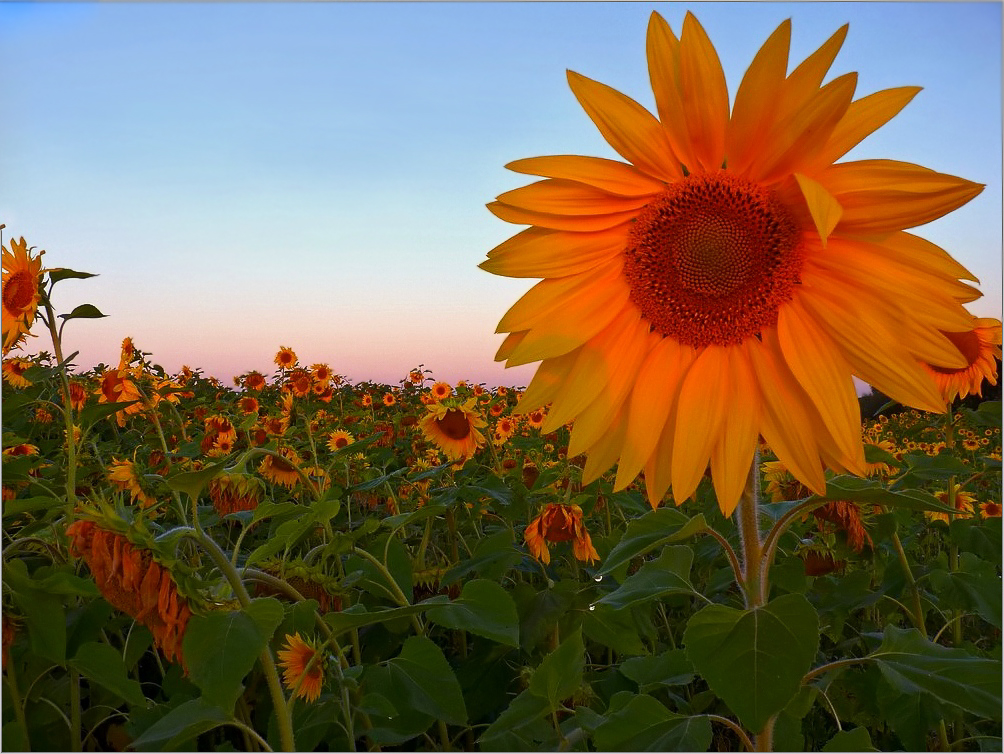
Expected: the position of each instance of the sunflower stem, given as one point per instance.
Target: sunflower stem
(751, 545)
(71, 445)
(917, 613)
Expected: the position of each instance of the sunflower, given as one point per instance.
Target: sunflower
(559, 522)
(453, 427)
(965, 503)
(13, 372)
(281, 471)
(322, 373)
(389, 399)
(22, 274)
(981, 347)
(339, 439)
(303, 668)
(234, 492)
(441, 390)
(116, 387)
(248, 404)
(285, 358)
(254, 381)
(124, 475)
(728, 280)
(990, 510)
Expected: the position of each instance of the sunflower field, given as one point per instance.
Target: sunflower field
(687, 533)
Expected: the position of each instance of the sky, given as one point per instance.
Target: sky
(314, 175)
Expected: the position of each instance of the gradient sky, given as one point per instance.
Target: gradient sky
(314, 175)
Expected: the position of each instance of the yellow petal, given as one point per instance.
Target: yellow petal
(659, 467)
(628, 127)
(927, 255)
(705, 94)
(609, 175)
(825, 210)
(597, 360)
(510, 342)
(788, 420)
(548, 297)
(663, 51)
(732, 455)
(863, 117)
(546, 383)
(562, 197)
(604, 453)
(593, 421)
(580, 223)
(804, 81)
(700, 412)
(756, 100)
(880, 196)
(793, 142)
(541, 253)
(652, 397)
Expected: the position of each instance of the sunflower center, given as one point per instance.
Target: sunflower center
(19, 292)
(454, 424)
(711, 259)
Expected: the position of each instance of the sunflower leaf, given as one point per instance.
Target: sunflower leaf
(644, 724)
(84, 311)
(65, 273)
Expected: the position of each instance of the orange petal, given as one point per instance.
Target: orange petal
(804, 81)
(705, 94)
(825, 210)
(581, 223)
(663, 51)
(538, 252)
(510, 342)
(732, 455)
(611, 176)
(700, 413)
(628, 127)
(546, 382)
(563, 197)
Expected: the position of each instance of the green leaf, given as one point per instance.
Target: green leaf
(403, 519)
(667, 574)
(912, 664)
(30, 504)
(560, 673)
(221, 648)
(357, 616)
(84, 311)
(613, 628)
(643, 724)
(645, 534)
(483, 608)
(64, 273)
(100, 663)
(872, 491)
(856, 739)
(520, 727)
(754, 660)
(671, 668)
(492, 556)
(184, 722)
(193, 482)
(94, 412)
(974, 586)
(44, 615)
(431, 686)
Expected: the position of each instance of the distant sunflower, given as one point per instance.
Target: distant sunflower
(248, 404)
(453, 427)
(254, 381)
(124, 475)
(22, 274)
(322, 373)
(13, 372)
(441, 390)
(339, 439)
(389, 399)
(281, 471)
(729, 279)
(300, 383)
(981, 347)
(965, 503)
(285, 358)
(990, 510)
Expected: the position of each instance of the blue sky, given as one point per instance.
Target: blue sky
(314, 175)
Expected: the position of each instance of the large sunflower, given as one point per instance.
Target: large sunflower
(729, 279)
(21, 276)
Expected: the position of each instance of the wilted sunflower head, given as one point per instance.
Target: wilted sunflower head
(730, 277)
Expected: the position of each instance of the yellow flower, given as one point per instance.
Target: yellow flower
(559, 522)
(965, 504)
(281, 470)
(990, 510)
(285, 358)
(22, 274)
(123, 474)
(441, 390)
(728, 280)
(453, 427)
(339, 439)
(302, 668)
(13, 372)
(981, 347)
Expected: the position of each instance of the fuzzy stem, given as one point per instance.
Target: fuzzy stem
(917, 614)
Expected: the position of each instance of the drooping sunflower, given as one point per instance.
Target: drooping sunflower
(22, 274)
(559, 522)
(728, 280)
(254, 381)
(282, 471)
(453, 427)
(981, 347)
(303, 667)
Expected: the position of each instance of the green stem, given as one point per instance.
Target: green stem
(918, 609)
(75, 743)
(395, 590)
(18, 702)
(71, 445)
(745, 739)
(752, 547)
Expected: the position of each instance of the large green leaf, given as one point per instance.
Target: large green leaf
(103, 665)
(974, 586)
(423, 672)
(644, 534)
(667, 574)
(671, 668)
(754, 660)
(357, 616)
(913, 664)
(613, 628)
(855, 739)
(44, 614)
(521, 727)
(872, 491)
(492, 556)
(184, 722)
(560, 673)
(644, 724)
(483, 608)
(221, 648)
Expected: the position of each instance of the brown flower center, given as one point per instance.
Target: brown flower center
(19, 292)
(711, 259)
(454, 424)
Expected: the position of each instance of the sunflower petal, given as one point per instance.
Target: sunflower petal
(558, 196)
(614, 177)
(628, 127)
(922, 252)
(755, 106)
(546, 382)
(581, 223)
(863, 117)
(510, 342)
(663, 51)
(652, 397)
(705, 94)
(541, 253)
(732, 455)
(659, 467)
(700, 413)
(804, 81)
(823, 373)
(825, 210)
(603, 454)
